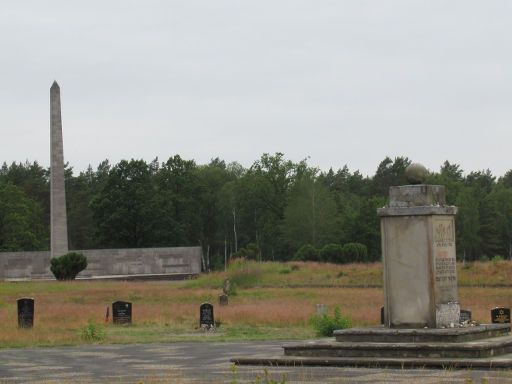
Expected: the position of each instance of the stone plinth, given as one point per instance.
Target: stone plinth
(418, 248)
(484, 346)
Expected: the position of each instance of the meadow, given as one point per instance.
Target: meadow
(269, 301)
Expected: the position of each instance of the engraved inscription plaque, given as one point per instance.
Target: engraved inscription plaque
(445, 266)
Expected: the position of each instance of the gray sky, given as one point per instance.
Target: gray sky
(343, 82)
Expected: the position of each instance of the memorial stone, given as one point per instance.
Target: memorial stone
(500, 315)
(321, 309)
(465, 316)
(226, 287)
(25, 312)
(121, 312)
(206, 319)
(223, 299)
(418, 246)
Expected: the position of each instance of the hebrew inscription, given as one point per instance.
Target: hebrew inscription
(445, 266)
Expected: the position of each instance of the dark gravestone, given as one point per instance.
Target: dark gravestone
(206, 315)
(382, 315)
(465, 315)
(25, 312)
(223, 299)
(121, 312)
(500, 315)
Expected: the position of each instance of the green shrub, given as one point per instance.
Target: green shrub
(306, 253)
(325, 325)
(92, 332)
(497, 258)
(67, 266)
(355, 253)
(332, 253)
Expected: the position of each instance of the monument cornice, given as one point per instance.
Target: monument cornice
(417, 211)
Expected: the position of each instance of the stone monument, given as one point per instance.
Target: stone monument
(58, 225)
(421, 312)
(418, 251)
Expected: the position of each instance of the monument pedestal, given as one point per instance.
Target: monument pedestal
(418, 251)
(421, 309)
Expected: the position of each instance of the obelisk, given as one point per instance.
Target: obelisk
(58, 225)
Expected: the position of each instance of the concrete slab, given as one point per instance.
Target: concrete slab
(503, 362)
(204, 362)
(446, 335)
(470, 349)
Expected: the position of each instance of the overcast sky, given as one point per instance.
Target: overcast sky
(343, 82)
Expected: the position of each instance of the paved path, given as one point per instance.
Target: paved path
(198, 363)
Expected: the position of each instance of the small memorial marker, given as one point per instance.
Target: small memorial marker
(465, 316)
(206, 316)
(121, 312)
(25, 312)
(500, 315)
(321, 309)
(226, 287)
(223, 299)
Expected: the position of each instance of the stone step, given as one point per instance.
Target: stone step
(495, 362)
(447, 335)
(471, 349)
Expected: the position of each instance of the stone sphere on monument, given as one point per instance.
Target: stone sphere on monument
(416, 173)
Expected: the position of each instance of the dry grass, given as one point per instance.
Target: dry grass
(277, 302)
(300, 274)
(166, 311)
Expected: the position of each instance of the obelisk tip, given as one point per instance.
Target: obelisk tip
(55, 85)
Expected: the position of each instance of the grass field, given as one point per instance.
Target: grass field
(272, 301)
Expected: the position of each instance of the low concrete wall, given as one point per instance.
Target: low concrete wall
(106, 262)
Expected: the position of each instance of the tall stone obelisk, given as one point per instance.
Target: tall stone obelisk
(58, 225)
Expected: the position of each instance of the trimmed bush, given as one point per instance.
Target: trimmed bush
(306, 253)
(355, 253)
(67, 266)
(332, 253)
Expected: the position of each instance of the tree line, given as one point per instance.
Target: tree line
(268, 211)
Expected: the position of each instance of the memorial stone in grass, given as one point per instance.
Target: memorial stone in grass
(223, 299)
(500, 315)
(25, 312)
(206, 319)
(121, 312)
(321, 309)
(465, 316)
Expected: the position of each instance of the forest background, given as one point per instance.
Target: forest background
(274, 210)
